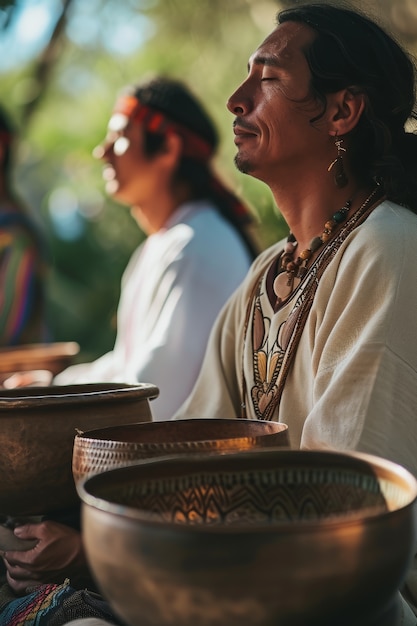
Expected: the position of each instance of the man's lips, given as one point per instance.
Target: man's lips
(109, 173)
(243, 131)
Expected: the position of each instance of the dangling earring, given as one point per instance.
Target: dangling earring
(340, 177)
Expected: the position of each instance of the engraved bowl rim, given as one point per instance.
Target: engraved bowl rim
(25, 398)
(89, 438)
(383, 467)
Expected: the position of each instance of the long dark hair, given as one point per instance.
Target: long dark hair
(173, 98)
(352, 51)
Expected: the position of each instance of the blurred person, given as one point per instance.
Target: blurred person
(22, 256)
(158, 156)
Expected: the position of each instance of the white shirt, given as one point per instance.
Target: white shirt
(174, 286)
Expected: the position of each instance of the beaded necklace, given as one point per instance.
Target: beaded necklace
(292, 270)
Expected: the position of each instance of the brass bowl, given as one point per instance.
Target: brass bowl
(37, 430)
(270, 537)
(53, 357)
(99, 450)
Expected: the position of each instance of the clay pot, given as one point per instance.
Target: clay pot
(261, 538)
(99, 450)
(37, 430)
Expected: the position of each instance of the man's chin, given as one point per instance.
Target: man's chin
(112, 187)
(243, 165)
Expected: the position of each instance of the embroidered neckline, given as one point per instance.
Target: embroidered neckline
(269, 381)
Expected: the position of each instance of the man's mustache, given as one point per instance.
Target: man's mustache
(244, 125)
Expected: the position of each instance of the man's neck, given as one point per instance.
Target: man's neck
(153, 216)
(306, 210)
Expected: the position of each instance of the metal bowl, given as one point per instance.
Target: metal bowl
(37, 430)
(270, 537)
(99, 450)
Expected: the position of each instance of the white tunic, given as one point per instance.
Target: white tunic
(172, 290)
(353, 381)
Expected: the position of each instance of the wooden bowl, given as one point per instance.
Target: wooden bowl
(99, 450)
(53, 357)
(37, 430)
(261, 538)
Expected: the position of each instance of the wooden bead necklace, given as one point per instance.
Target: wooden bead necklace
(294, 269)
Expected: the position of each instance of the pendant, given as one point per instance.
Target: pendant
(283, 285)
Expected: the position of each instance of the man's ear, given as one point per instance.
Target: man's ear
(173, 148)
(345, 109)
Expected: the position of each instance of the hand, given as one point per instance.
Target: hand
(58, 554)
(31, 378)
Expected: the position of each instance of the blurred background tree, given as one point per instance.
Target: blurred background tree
(62, 63)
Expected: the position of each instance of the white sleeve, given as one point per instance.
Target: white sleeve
(364, 359)
(102, 369)
(184, 311)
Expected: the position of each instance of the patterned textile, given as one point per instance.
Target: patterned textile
(52, 604)
(22, 274)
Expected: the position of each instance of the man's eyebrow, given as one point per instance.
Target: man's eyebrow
(271, 61)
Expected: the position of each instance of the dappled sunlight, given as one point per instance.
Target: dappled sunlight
(61, 64)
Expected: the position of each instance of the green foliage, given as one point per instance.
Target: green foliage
(207, 43)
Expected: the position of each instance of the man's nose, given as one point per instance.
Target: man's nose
(99, 151)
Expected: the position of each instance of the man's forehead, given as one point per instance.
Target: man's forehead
(284, 44)
(118, 122)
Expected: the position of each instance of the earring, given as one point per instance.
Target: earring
(340, 177)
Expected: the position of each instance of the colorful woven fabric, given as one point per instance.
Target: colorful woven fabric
(52, 605)
(22, 273)
(35, 607)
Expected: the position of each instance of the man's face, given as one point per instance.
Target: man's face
(273, 108)
(129, 174)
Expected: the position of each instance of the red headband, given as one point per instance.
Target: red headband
(157, 122)
(194, 147)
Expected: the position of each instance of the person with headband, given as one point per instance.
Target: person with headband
(158, 157)
(23, 256)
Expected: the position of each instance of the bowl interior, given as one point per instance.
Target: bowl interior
(252, 488)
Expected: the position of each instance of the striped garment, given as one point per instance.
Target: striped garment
(52, 605)
(22, 276)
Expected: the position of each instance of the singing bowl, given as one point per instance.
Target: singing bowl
(99, 450)
(37, 430)
(265, 538)
(53, 357)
